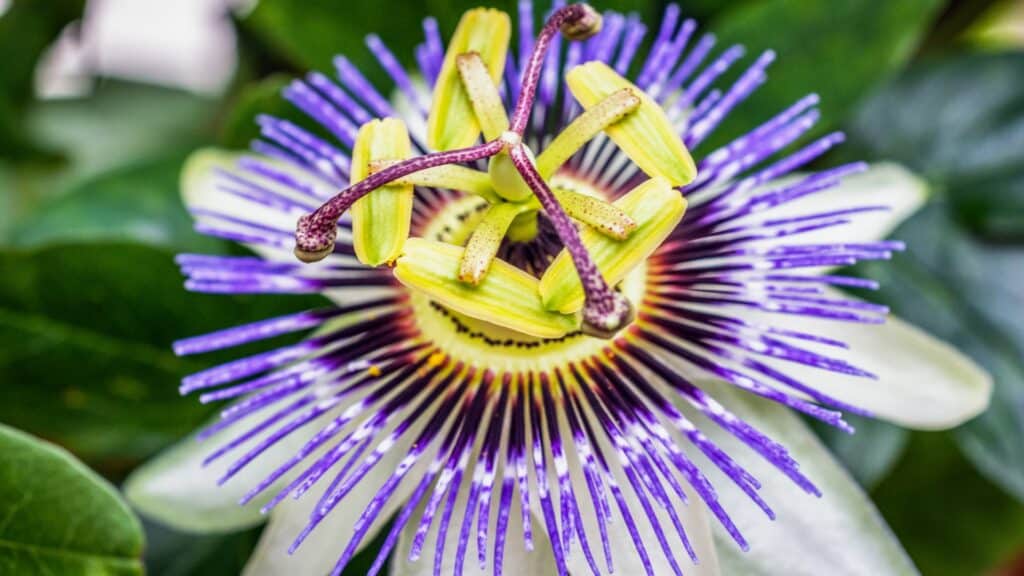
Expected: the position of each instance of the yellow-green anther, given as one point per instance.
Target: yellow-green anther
(605, 217)
(483, 94)
(486, 239)
(452, 123)
(585, 127)
(507, 181)
(506, 297)
(646, 135)
(655, 206)
(380, 220)
(450, 176)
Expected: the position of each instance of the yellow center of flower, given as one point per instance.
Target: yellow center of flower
(478, 342)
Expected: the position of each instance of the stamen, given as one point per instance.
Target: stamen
(584, 128)
(606, 218)
(486, 239)
(576, 22)
(657, 209)
(316, 232)
(605, 311)
(483, 95)
(452, 123)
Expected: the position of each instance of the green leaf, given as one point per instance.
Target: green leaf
(945, 283)
(960, 123)
(839, 534)
(119, 125)
(838, 49)
(60, 517)
(137, 202)
(950, 518)
(85, 335)
(26, 31)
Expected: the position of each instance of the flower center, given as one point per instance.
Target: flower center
(478, 342)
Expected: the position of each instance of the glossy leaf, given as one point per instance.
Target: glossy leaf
(838, 49)
(120, 133)
(26, 31)
(85, 340)
(173, 553)
(137, 202)
(934, 484)
(964, 133)
(59, 516)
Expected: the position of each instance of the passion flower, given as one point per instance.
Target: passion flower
(533, 281)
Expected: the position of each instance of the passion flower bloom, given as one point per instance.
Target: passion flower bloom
(543, 310)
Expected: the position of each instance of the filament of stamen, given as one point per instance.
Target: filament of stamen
(486, 239)
(584, 128)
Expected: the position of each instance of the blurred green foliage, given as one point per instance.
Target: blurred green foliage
(26, 30)
(839, 49)
(91, 299)
(964, 133)
(951, 520)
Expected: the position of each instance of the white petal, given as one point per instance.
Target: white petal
(922, 382)
(840, 534)
(176, 489)
(883, 184)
